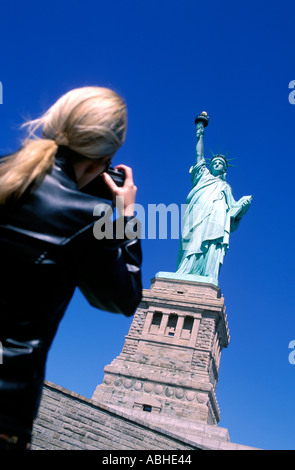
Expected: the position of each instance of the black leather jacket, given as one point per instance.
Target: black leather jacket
(48, 249)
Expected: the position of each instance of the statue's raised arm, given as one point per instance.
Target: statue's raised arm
(201, 122)
(211, 214)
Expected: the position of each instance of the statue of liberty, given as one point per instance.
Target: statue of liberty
(211, 213)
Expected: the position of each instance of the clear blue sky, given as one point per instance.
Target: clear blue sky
(171, 60)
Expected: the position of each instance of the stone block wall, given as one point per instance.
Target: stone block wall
(68, 421)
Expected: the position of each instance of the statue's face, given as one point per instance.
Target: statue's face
(217, 167)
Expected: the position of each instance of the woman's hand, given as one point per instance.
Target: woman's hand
(123, 197)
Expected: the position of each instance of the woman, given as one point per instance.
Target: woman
(47, 242)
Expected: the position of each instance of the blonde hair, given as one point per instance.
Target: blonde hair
(92, 121)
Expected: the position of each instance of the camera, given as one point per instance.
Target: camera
(97, 187)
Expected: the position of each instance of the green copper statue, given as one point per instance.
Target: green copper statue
(211, 214)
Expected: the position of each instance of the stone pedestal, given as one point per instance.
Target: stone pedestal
(167, 371)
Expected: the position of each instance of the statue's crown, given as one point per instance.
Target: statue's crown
(220, 156)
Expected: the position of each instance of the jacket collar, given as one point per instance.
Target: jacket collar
(63, 158)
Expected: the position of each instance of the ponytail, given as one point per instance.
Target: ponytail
(25, 167)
